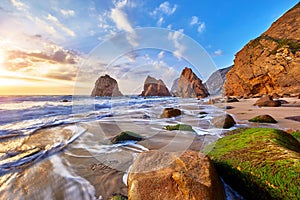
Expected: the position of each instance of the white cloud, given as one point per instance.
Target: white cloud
(176, 37)
(164, 8)
(169, 26)
(160, 21)
(67, 13)
(218, 52)
(201, 27)
(60, 25)
(160, 55)
(194, 20)
(19, 5)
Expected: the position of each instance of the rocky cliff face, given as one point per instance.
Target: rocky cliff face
(270, 63)
(153, 87)
(215, 82)
(190, 86)
(106, 86)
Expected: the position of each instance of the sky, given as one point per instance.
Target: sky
(62, 47)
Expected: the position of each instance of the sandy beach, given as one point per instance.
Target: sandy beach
(244, 110)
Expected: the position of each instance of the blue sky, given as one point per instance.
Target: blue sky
(49, 41)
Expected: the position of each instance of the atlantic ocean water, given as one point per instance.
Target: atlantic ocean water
(57, 147)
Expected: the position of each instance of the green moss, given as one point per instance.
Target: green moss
(260, 163)
(126, 136)
(296, 135)
(119, 197)
(263, 119)
(181, 127)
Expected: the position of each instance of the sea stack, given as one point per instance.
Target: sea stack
(190, 86)
(106, 86)
(269, 64)
(154, 87)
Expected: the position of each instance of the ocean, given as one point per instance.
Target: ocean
(57, 147)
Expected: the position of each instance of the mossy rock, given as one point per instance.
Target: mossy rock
(259, 163)
(126, 136)
(263, 119)
(119, 197)
(180, 127)
(296, 135)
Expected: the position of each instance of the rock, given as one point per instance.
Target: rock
(153, 87)
(263, 119)
(294, 118)
(270, 63)
(215, 82)
(157, 175)
(118, 197)
(190, 86)
(126, 136)
(170, 112)
(259, 163)
(231, 99)
(267, 101)
(296, 135)
(180, 127)
(106, 86)
(228, 107)
(65, 100)
(223, 121)
(174, 87)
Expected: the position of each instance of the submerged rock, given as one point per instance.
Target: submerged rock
(263, 119)
(106, 86)
(259, 163)
(170, 112)
(223, 121)
(190, 86)
(126, 136)
(159, 175)
(153, 87)
(118, 197)
(180, 127)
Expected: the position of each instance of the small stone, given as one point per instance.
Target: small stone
(126, 136)
(170, 112)
(180, 127)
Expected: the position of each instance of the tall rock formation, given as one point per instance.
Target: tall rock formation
(215, 82)
(106, 86)
(190, 86)
(153, 87)
(270, 63)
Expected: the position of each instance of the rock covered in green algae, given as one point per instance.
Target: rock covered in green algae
(180, 127)
(126, 136)
(259, 163)
(119, 197)
(263, 119)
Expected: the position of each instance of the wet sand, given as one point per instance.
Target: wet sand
(244, 110)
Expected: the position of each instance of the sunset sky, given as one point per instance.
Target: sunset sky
(52, 47)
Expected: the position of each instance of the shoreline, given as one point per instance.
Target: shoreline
(244, 110)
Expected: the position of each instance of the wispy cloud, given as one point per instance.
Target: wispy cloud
(164, 8)
(218, 52)
(67, 13)
(199, 24)
(175, 37)
(60, 25)
(19, 5)
(161, 55)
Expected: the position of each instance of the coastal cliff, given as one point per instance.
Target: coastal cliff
(106, 86)
(270, 63)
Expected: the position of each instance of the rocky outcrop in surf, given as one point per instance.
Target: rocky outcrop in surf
(154, 87)
(106, 86)
(190, 86)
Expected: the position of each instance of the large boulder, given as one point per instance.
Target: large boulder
(190, 86)
(154, 87)
(159, 175)
(170, 112)
(106, 86)
(270, 63)
(267, 101)
(259, 163)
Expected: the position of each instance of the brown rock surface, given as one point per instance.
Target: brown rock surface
(159, 175)
(170, 112)
(153, 87)
(106, 86)
(270, 63)
(267, 101)
(190, 86)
